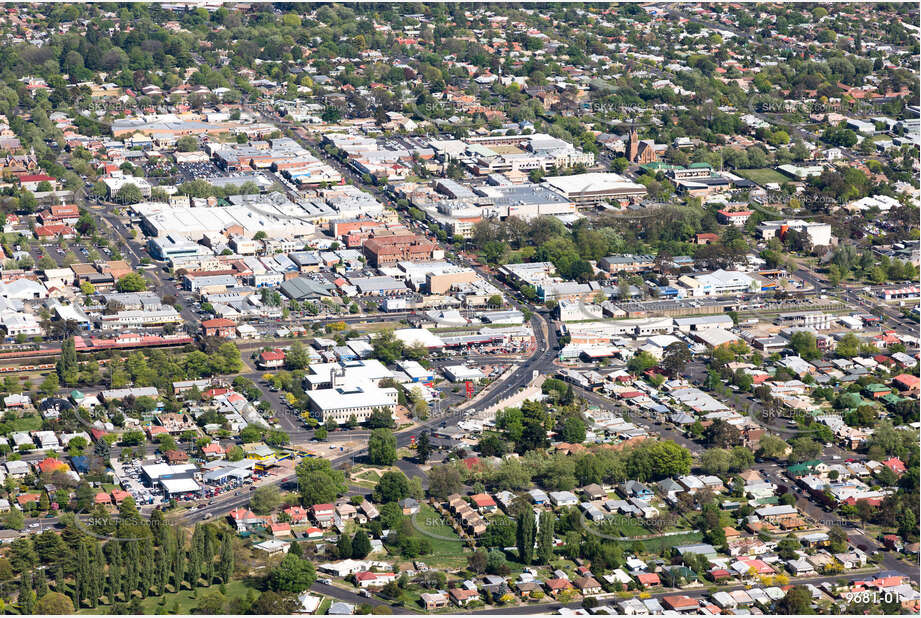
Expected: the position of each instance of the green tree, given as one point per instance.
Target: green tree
(393, 486)
(187, 143)
(67, 366)
(525, 534)
(265, 499)
(54, 603)
(50, 385)
(848, 346)
(129, 194)
(293, 575)
(676, 358)
(296, 357)
(382, 447)
(573, 430)
(444, 480)
(797, 602)
(226, 561)
(361, 545)
(344, 546)
(423, 447)
(642, 362)
(771, 447)
(132, 282)
(545, 537)
(318, 482)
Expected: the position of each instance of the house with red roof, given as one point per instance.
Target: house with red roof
(893, 463)
(705, 238)
(323, 514)
(156, 430)
(680, 603)
(243, 519)
(219, 327)
(893, 542)
(296, 514)
(907, 383)
(366, 579)
(649, 579)
(557, 585)
(463, 597)
(176, 456)
(760, 566)
(119, 495)
(313, 533)
(733, 217)
(31, 181)
(211, 393)
(484, 503)
(55, 230)
(102, 498)
(28, 498)
(719, 575)
(212, 450)
(874, 502)
(68, 214)
(280, 528)
(49, 465)
(271, 359)
(472, 463)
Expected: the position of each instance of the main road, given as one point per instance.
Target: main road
(541, 361)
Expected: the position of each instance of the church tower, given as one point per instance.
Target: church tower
(633, 146)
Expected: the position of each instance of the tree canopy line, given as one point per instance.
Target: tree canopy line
(158, 368)
(115, 562)
(662, 230)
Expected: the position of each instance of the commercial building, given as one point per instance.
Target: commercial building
(819, 233)
(358, 400)
(522, 153)
(595, 188)
(273, 214)
(627, 263)
(390, 249)
(718, 283)
(159, 316)
(117, 180)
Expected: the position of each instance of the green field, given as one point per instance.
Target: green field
(183, 602)
(187, 601)
(763, 175)
(29, 423)
(445, 542)
(656, 545)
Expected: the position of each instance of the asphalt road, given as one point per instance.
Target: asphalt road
(547, 608)
(355, 598)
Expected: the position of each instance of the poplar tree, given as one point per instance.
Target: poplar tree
(525, 536)
(226, 564)
(26, 596)
(545, 538)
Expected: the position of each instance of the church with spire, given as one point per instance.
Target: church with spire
(640, 151)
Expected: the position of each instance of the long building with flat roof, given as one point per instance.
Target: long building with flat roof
(277, 218)
(594, 188)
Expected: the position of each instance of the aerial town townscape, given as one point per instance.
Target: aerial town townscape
(460, 308)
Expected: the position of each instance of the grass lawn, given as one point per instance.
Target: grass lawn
(763, 175)
(186, 599)
(656, 545)
(445, 542)
(626, 527)
(29, 423)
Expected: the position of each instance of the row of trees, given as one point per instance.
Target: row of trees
(141, 558)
